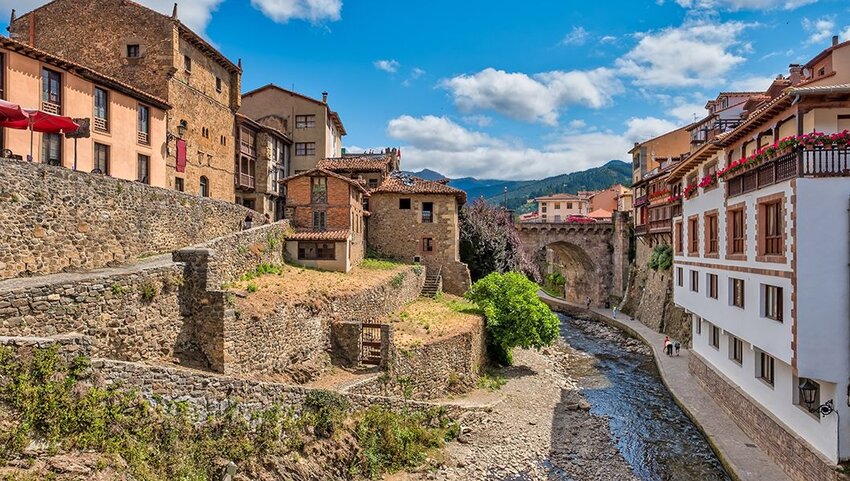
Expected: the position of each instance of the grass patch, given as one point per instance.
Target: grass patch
(262, 270)
(149, 291)
(552, 291)
(491, 382)
(379, 264)
(252, 287)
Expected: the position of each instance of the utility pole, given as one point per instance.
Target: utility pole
(506, 197)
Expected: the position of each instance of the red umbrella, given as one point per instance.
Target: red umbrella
(10, 112)
(40, 121)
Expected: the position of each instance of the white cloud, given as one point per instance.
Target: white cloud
(416, 73)
(389, 66)
(313, 10)
(751, 84)
(641, 129)
(819, 29)
(845, 35)
(608, 39)
(478, 120)
(535, 98)
(437, 133)
(577, 36)
(686, 112)
(735, 5)
(695, 54)
(577, 124)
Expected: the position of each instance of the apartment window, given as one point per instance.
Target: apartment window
(204, 190)
(714, 336)
(737, 289)
(133, 51)
(543, 208)
(101, 109)
(316, 251)
(51, 149)
(772, 228)
(218, 84)
(178, 184)
(305, 121)
(427, 244)
(680, 276)
(51, 91)
(695, 281)
(697, 324)
(773, 303)
(736, 218)
(558, 205)
(736, 350)
(693, 238)
(143, 169)
(319, 220)
(305, 148)
(144, 127)
(427, 212)
(711, 284)
(319, 190)
(679, 238)
(711, 234)
(101, 159)
(765, 367)
(373, 183)
(187, 63)
(404, 204)
(569, 205)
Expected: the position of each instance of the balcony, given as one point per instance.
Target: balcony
(101, 125)
(247, 148)
(832, 161)
(143, 138)
(642, 229)
(244, 181)
(662, 226)
(641, 201)
(51, 107)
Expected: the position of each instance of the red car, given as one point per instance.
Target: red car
(580, 219)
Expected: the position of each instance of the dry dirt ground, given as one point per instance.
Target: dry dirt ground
(427, 320)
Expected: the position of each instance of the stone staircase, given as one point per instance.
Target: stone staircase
(433, 283)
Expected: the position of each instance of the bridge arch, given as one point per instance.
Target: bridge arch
(583, 276)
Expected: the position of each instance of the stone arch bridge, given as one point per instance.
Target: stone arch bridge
(592, 257)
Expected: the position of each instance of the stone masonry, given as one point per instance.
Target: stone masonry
(57, 219)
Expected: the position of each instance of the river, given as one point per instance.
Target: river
(653, 434)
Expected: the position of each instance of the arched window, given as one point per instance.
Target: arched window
(205, 187)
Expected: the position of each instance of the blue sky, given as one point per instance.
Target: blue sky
(502, 89)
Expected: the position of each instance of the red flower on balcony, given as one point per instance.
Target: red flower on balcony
(708, 181)
(689, 191)
(659, 193)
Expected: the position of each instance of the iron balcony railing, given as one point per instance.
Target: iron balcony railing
(833, 161)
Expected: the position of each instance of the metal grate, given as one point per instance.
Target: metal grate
(101, 124)
(143, 138)
(371, 340)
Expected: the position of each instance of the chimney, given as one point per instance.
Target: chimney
(324, 97)
(174, 12)
(11, 20)
(795, 71)
(834, 40)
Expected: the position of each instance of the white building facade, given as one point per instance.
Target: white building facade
(762, 264)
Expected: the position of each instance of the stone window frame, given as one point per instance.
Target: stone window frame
(125, 50)
(761, 225)
(693, 235)
(711, 214)
(730, 232)
(678, 240)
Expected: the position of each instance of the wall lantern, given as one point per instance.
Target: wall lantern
(808, 391)
(182, 127)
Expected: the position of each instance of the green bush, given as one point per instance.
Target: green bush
(397, 280)
(515, 316)
(148, 291)
(662, 258)
(326, 411)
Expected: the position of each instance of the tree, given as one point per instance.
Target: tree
(489, 242)
(515, 315)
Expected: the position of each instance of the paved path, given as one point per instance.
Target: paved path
(739, 453)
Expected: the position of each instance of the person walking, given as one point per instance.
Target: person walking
(249, 221)
(614, 310)
(677, 345)
(587, 301)
(668, 346)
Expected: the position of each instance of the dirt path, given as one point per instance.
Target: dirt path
(541, 430)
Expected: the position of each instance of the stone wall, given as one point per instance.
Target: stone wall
(789, 452)
(69, 346)
(55, 219)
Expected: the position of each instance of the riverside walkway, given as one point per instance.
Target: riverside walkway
(743, 459)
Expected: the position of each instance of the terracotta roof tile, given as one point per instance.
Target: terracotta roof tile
(328, 173)
(324, 235)
(359, 163)
(399, 183)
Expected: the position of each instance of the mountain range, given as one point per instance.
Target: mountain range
(520, 192)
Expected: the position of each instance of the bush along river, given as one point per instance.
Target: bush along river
(621, 382)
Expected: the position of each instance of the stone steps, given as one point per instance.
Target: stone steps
(433, 285)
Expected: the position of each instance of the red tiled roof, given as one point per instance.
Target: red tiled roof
(404, 184)
(560, 197)
(360, 163)
(323, 235)
(328, 173)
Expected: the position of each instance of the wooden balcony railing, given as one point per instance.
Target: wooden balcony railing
(244, 181)
(248, 148)
(51, 108)
(642, 229)
(641, 200)
(662, 225)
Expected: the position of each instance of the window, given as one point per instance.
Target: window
(711, 234)
(319, 190)
(680, 276)
(569, 205)
(178, 184)
(543, 208)
(765, 368)
(187, 63)
(101, 109)
(557, 205)
(711, 282)
(697, 324)
(693, 238)
(695, 281)
(736, 218)
(736, 350)
(305, 148)
(218, 84)
(305, 121)
(143, 169)
(144, 128)
(373, 183)
(773, 228)
(316, 251)
(51, 91)
(679, 238)
(714, 336)
(205, 187)
(51, 149)
(427, 244)
(101, 159)
(427, 212)
(737, 289)
(133, 51)
(773, 302)
(404, 204)
(319, 220)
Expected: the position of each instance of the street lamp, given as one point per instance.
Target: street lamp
(808, 390)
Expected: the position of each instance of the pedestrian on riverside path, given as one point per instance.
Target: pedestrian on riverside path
(678, 346)
(614, 310)
(668, 346)
(587, 301)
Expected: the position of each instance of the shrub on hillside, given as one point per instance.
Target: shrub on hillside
(662, 258)
(515, 316)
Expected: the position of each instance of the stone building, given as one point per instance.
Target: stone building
(158, 54)
(416, 220)
(371, 168)
(262, 162)
(33, 78)
(315, 129)
(326, 211)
